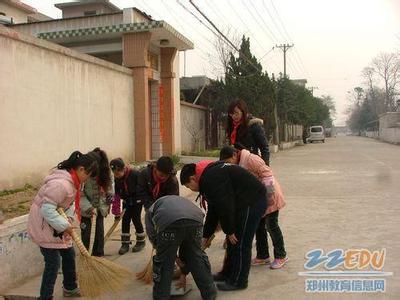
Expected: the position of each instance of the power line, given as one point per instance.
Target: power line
(290, 39)
(225, 38)
(262, 19)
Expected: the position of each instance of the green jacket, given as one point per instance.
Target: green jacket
(91, 196)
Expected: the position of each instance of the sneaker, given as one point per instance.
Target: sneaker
(279, 263)
(260, 261)
(74, 293)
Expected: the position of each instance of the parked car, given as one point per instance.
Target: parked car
(317, 133)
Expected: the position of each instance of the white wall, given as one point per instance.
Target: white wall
(193, 127)
(389, 127)
(53, 101)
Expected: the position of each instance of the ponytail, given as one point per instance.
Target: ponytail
(76, 160)
(104, 174)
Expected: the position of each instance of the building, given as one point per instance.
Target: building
(14, 12)
(299, 82)
(131, 38)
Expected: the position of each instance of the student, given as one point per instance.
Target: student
(235, 199)
(244, 129)
(157, 180)
(255, 165)
(49, 230)
(174, 223)
(126, 180)
(96, 198)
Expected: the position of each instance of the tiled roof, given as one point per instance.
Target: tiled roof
(120, 28)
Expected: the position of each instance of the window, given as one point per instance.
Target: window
(316, 129)
(90, 13)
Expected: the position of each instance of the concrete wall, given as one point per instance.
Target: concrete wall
(193, 129)
(53, 101)
(19, 16)
(389, 127)
(19, 257)
(78, 11)
(69, 24)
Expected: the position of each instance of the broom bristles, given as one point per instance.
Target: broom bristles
(146, 274)
(97, 275)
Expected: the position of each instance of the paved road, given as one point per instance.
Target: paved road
(341, 194)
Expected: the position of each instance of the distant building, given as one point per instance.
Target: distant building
(86, 8)
(300, 82)
(14, 12)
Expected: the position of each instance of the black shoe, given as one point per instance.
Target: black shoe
(138, 246)
(229, 287)
(219, 277)
(124, 248)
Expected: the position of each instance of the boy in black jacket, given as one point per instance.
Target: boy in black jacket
(157, 180)
(125, 180)
(237, 200)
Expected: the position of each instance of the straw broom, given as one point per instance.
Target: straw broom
(113, 226)
(97, 275)
(146, 274)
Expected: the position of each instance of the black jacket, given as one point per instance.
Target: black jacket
(228, 189)
(126, 187)
(253, 138)
(146, 184)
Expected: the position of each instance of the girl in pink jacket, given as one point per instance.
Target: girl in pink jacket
(49, 230)
(256, 165)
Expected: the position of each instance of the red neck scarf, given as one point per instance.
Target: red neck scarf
(77, 185)
(127, 172)
(158, 181)
(234, 131)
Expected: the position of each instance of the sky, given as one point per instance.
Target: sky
(333, 39)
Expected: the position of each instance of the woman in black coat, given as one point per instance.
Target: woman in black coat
(246, 131)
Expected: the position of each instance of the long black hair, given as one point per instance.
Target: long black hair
(76, 160)
(104, 173)
(240, 104)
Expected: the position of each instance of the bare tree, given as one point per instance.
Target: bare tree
(194, 132)
(223, 50)
(387, 67)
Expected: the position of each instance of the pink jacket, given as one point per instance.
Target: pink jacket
(57, 191)
(256, 165)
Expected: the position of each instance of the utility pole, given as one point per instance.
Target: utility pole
(285, 48)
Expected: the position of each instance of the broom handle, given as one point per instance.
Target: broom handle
(92, 231)
(75, 236)
(113, 226)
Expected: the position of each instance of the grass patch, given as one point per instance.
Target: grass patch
(14, 191)
(204, 153)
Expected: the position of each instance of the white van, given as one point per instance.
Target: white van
(317, 133)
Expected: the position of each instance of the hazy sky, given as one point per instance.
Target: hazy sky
(334, 39)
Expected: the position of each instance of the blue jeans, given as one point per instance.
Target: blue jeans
(51, 266)
(238, 257)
